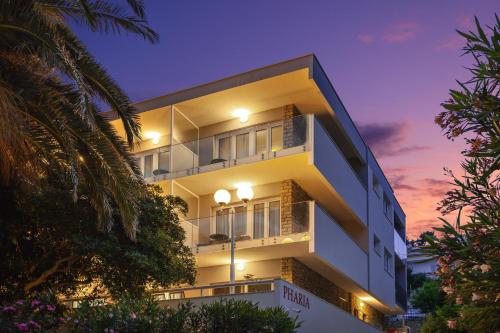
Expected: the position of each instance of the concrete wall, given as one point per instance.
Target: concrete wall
(265, 269)
(334, 167)
(381, 283)
(333, 245)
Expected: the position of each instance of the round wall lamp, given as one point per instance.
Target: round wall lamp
(244, 192)
(222, 197)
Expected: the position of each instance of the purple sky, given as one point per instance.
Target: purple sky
(392, 63)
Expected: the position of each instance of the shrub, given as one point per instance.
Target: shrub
(41, 313)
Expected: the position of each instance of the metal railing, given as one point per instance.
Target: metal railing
(219, 289)
(240, 146)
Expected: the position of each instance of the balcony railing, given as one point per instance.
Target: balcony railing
(399, 246)
(259, 223)
(241, 146)
(401, 297)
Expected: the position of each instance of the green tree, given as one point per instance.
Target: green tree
(50, 91)
(49, 241)
(469, 255)
(442, 321)
(428, 297)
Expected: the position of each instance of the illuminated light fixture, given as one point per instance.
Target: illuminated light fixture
(153, 136)
(287, 240)
(242, 114)
(361, 304)
(367, 298)
(240, 265)
(222, 197)
(244, 192)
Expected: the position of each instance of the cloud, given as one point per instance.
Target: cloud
(398, 182)
(435, 187)
(401, 32)
(465, 22)
(454, 42)
(366, 38)
(387, 139)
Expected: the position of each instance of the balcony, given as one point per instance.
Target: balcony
(241, 146)
(258, 227)
(399, 246)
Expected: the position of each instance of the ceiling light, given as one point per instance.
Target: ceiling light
(240, 265)
(153, 136)
(242, 114)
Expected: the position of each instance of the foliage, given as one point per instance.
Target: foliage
(50, 91)
(41, 313)
(429, 297)
(415, 281)
(441, 320)
(145, 315)
(48, 240)
(469, 253)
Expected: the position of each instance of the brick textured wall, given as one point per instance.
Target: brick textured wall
(294, 127)
(294, 208)
(302, 276)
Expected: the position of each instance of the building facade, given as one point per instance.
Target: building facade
(322, 234)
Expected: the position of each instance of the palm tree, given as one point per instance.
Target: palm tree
(50, 91)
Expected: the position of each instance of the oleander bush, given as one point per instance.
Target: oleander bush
(143, 315)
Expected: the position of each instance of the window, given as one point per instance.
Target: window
(376, 185)
(163, 162)
(274, 218)
(222, 222)
(260, 141)
(242, 145)
(387, 206)
(258, 220)
(225, 148)
(148, 166)
(276, 138)
(240, 221)
(376, 244)
(387, 261)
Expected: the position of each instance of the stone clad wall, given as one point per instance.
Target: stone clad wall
(294, 208)
(302, 276)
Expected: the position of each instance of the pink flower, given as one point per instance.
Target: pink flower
(452, 324)
(20, 302)
(34, 324)
(133, 315)
(9, 309)
(22, 326)
(51, 308)
(35, 303)
(448, 290)
(485, 268)
(476, 297)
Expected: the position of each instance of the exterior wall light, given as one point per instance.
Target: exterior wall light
(222, 197)
(154, 136)
(240, 266)
(242, 114)
(244, 192)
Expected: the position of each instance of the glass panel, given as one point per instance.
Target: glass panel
(261, 141)
(163, 162)
(225, 148)
(240, 221)
(148, 166)
(222, 222)
(276, 138)
(258, 221)
(274, 218)
(242, 145)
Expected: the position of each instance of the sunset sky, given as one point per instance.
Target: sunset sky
(392, 63)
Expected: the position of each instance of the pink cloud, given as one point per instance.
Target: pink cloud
(401, 32)
(454, 42)
(366, 38)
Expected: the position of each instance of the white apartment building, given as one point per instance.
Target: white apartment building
(302, 204)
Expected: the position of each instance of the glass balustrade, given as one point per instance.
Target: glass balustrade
(263, 223)
(235, 147)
